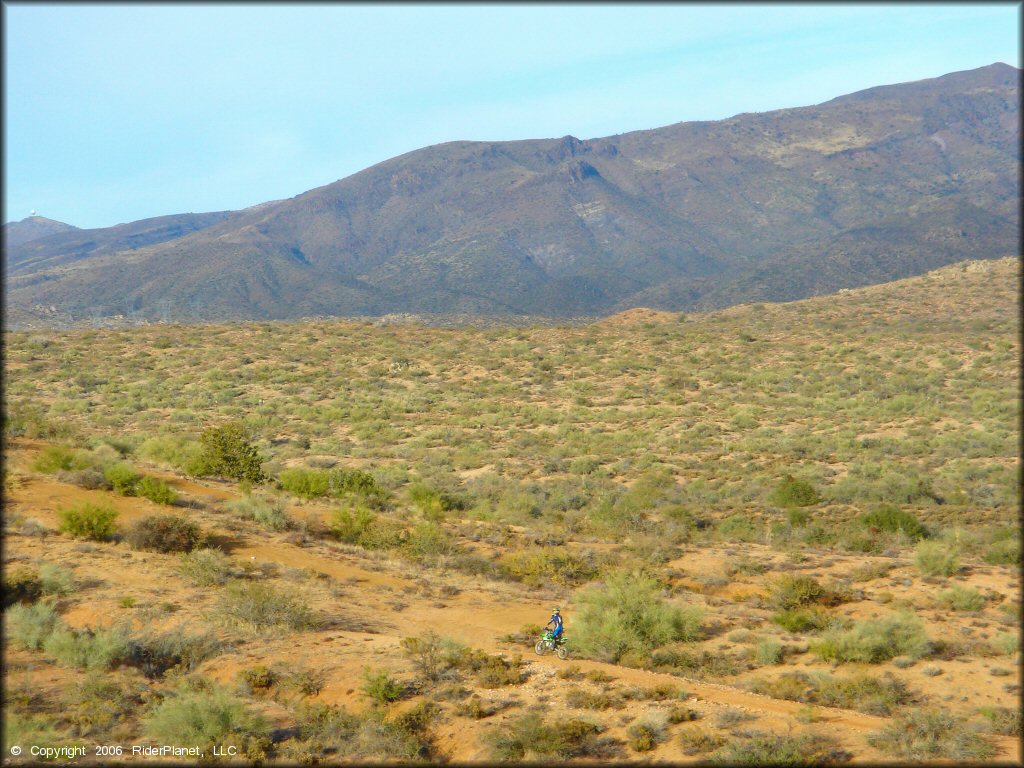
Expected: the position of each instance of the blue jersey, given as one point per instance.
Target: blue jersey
(556, 619)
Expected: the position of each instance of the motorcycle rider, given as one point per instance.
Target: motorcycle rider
(556, 619)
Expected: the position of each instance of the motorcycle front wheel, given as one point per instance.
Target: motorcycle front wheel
(562, 652)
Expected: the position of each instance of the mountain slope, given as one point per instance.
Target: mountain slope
(869, 187)
(32, 228)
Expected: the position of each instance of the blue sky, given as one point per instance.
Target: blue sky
(119, 112)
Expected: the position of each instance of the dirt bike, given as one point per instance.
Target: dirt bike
(547, 643)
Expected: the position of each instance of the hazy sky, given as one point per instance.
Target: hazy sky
(119, 112)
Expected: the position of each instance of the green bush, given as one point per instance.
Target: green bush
(874, 641)
(204, 567)
(165, 533)
(803, 620)
(100, 703)
(962, 599)
(768, 652)
(646, 733)
(929, 734)
(264, 510)
(56, 580)
(29, 626)
(205, 719)
(1004, 721)
(228, 451)
(157, 653)
(175, 450)
(541, 566)
(530, 736)
(1003, 552)
(934, 558)
(794, 493)
(155, 490)
(22, 585)
(380, 687)
(260, 607)
(428, 540)
(318, 483)
(776, 749)
(864, 693)
(628, 615)
(122, 477)
(893, 520)
(350, 525)
(789, 592)
(738, 527)
(88, 649)
(89, 521)
(54, 458)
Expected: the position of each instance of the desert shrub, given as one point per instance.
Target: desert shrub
(265, 510)
(934, 558)
(157, 653)
(429, 540)
(380, 688)
(430, 655)
(165, 533)
(877, 640)
(929, 734)
(1002, 720)
(646, 733)
(176, 450)
(89, 478)
(1003, 552)
(531, 736)
(699, 741)
(204, 567)
(1006, 643)
(333, 732)
(894, 520)
(796, 591)
(873, 695)
(259, 607)
(791, 492)
(54, 458)
(776, 749)
(541, 566)
(100, 703)
(122, 478)
(56, 580)
(768, 651)
(802, 620)
(581, 698)
(29, 626)
(870, 571)
(738, 527)
(27, 728)
(22, 585)
(349, 525)
(495, 671)
(960, 598)
(628, 615)
(205, 719)
(88, 649)
(318, 483)
(88, 521)
(228, 451)
(155, 490)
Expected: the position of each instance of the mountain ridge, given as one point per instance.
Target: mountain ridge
(866, 187)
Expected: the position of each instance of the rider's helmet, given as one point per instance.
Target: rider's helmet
(555, 611)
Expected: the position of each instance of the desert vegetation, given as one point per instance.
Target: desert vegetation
(335, 540)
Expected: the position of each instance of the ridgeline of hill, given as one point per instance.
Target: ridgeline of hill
(866, 188)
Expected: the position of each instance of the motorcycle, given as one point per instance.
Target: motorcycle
(547, 643)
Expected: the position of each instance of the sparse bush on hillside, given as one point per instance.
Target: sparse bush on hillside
(165, 533)
(1004, 721)
(777, 749)
(962, 598)
(204, 567)
(542, 566)
(319, 483)
(792, 492)
(894, 520)
(29, 626)
(1003, 552)
(228, 451)
(261, 607)
(54, 458)
(100, 648)
(931, 734)
(935, 558)
(350, 524)
(380, 687)
(157, 653)
(207, 719)
(155, 490)
(122, 477)
(873, 695)
(88, 521)
(22, 585)
(264, 510)
(628, 615)
(791, 592)
(530, 736)
(875, 640)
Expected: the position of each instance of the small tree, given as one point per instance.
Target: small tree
(229, 452)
